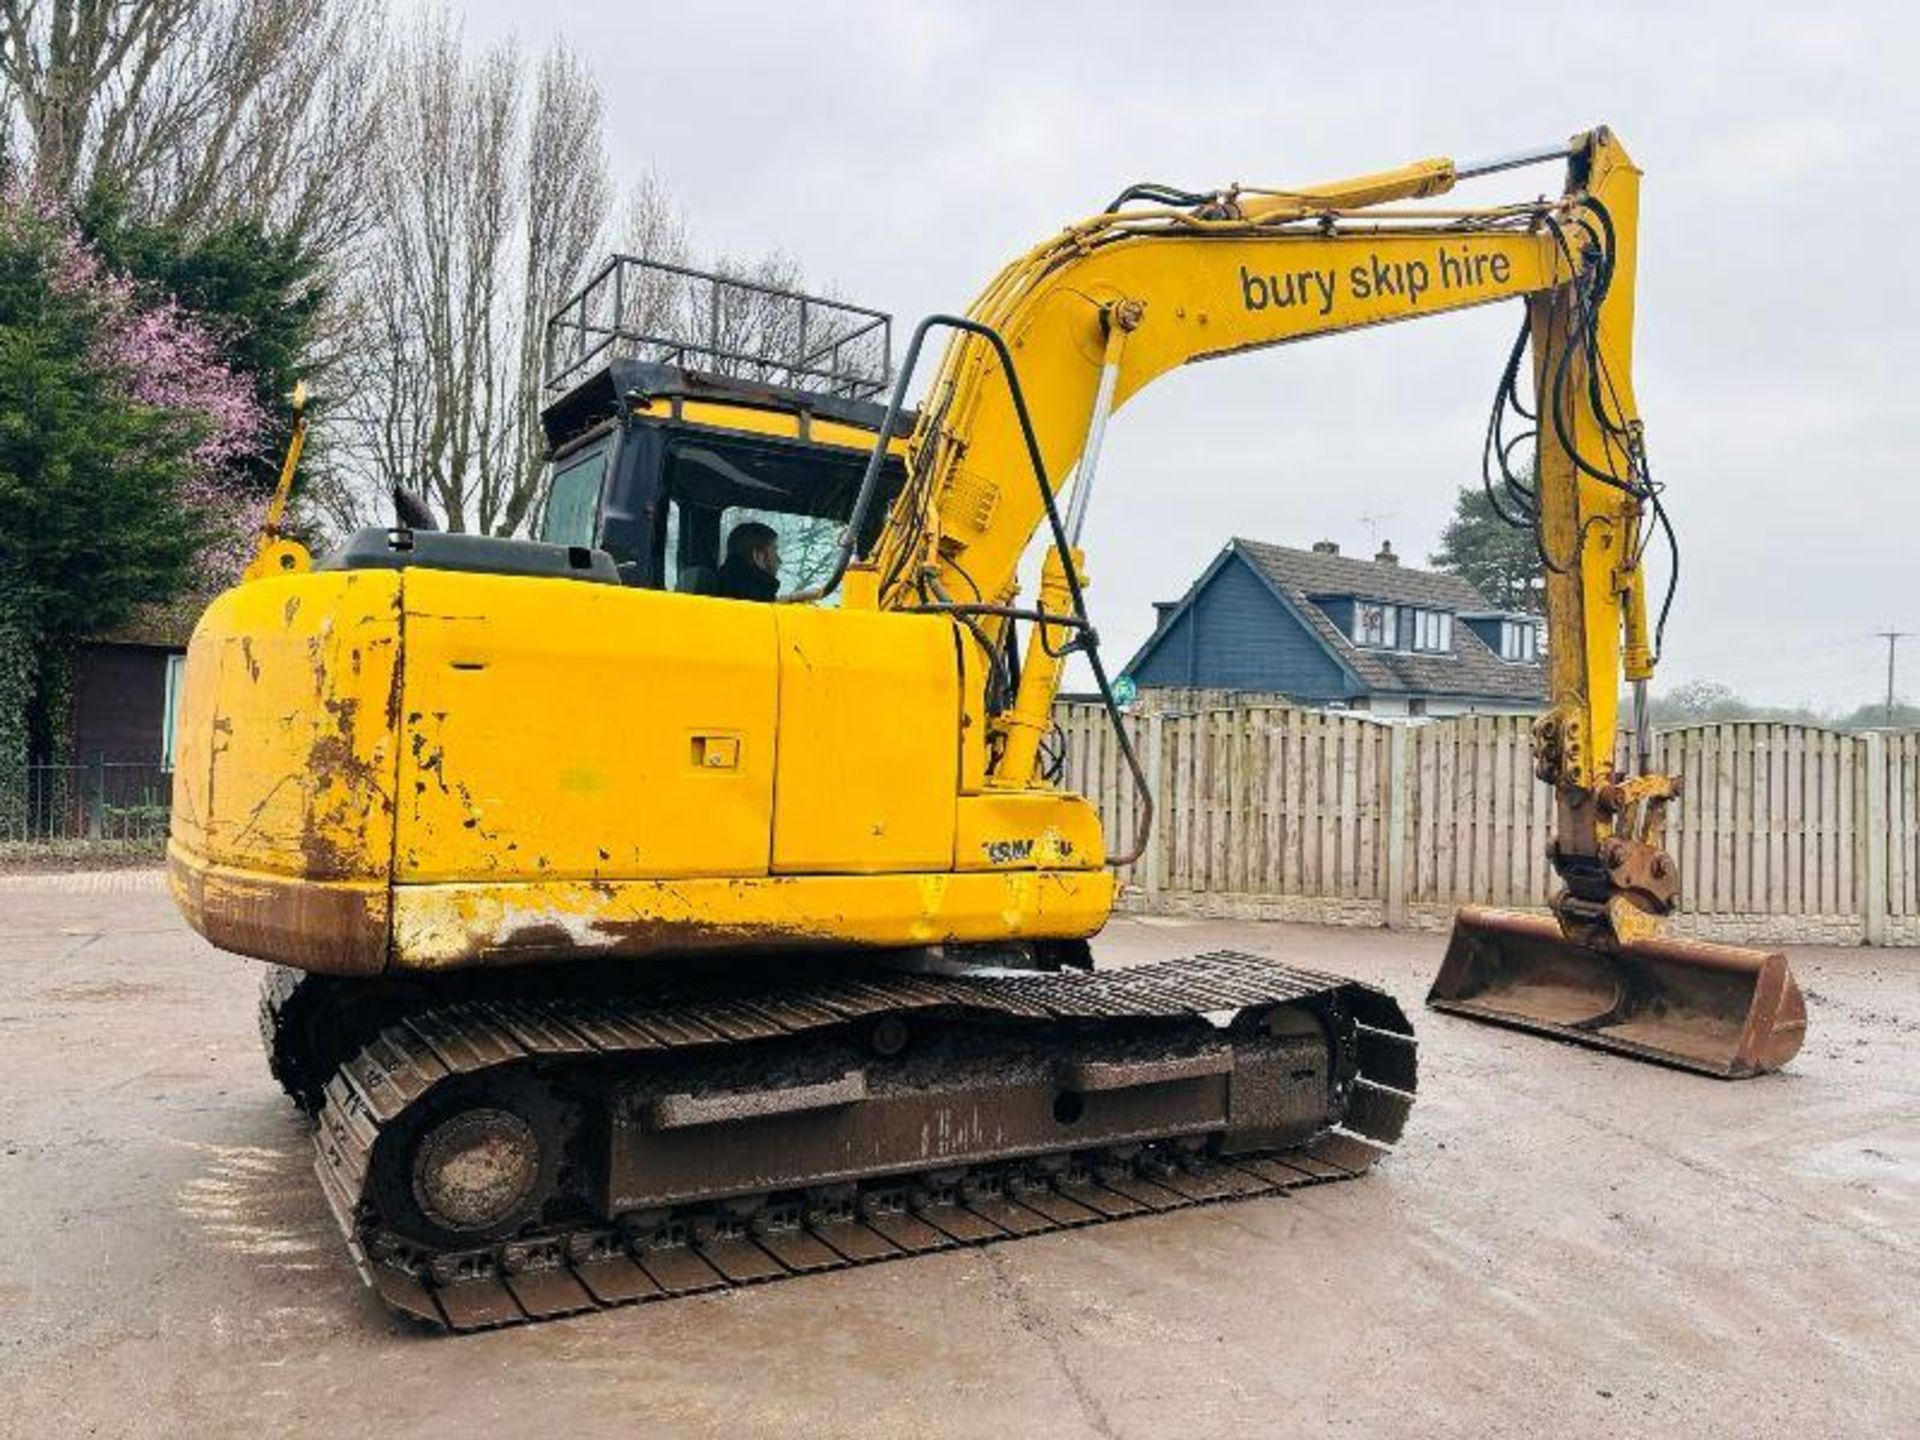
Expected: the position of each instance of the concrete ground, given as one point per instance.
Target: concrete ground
(1565, 1242)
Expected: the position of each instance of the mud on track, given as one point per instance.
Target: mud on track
(1562, 1241)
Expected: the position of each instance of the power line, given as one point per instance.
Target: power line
(1893, 639)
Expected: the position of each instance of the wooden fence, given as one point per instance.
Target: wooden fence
(1785, 832)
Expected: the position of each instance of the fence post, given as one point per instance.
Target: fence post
(97, 795)
(1873, 921)
(1156, 730)
(1394, 898)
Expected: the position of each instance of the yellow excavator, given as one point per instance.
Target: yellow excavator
(629, 938)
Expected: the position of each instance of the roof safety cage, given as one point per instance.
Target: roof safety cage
(720, 324)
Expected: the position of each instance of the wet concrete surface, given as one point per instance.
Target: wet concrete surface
(1565, 1242)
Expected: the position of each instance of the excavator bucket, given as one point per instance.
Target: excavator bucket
(1720, 1009)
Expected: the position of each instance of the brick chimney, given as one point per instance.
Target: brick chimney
(1386, 555)
(1325, 547)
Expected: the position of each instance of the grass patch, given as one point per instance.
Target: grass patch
(28, 857)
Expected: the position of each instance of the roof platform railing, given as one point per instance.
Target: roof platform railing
(638, 309)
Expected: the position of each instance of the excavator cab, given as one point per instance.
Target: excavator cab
(658, 482)
(665, 433)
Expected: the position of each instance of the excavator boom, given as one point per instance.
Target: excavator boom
(1094, 315)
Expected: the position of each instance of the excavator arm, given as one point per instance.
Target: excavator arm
(1092, 316)
(1095, 315)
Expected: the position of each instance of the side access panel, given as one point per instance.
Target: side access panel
(869, 743)
(556, 730)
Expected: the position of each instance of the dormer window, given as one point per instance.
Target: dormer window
(1374, 624)
(1432, 631)
(1520, 641)
(1379, 625)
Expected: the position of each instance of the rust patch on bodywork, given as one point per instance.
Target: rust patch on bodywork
(349, 770)
(452, 926)
(639, 937)
(653, 936)
(342, 784)
(329, 929)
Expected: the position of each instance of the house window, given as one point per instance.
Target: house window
(170, 720)
(1374, 624)
(1432, 631)
(1519, 641)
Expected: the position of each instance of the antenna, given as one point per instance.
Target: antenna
(1374, 524)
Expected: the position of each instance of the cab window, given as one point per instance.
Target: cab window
(573, 499)
(714, 484)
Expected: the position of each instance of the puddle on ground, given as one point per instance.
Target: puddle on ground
(87, 990)
(240, 1200)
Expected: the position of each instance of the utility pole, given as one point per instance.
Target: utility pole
(1893, 639)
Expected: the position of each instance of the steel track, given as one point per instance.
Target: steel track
(715, 1246)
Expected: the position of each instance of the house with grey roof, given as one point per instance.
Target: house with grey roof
(1327, 629)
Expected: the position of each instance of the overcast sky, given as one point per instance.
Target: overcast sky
(902, 152)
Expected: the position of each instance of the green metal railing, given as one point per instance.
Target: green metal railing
(97, 799)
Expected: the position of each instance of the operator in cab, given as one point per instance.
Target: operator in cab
(752, 568)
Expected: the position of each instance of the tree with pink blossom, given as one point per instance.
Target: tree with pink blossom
(124, 440)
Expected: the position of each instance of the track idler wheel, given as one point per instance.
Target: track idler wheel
(474, 1172)
(478, 1163)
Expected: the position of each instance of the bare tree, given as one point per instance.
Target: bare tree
(486, 213)
(567, 194)
(654, 229)
(489, 205)
(62, 62)
(196, 110)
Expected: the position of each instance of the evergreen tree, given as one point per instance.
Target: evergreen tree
(1500, 561)
(120, 426)
(258, 293)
